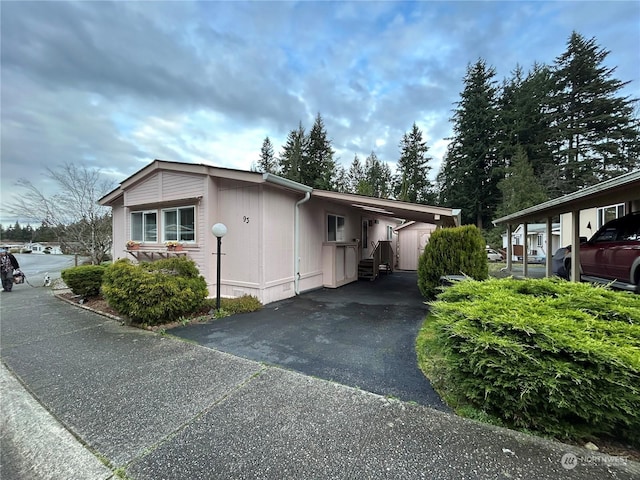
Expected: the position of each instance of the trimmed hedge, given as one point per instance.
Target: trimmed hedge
(157, 292)
(452, 251)
(84, 280)
(547, 355)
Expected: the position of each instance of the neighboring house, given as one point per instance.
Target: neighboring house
(581, 213)
(412, 238)
(282, 237)
(45, 248)
(537, 247)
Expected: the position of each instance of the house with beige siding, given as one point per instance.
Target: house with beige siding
(282, 237)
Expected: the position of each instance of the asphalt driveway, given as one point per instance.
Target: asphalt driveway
(361, 335)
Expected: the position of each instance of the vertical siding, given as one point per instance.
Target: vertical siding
(239, 209)
(119, 232)
(586, 216)
(407, 243)
(278, 228)
(411, 243)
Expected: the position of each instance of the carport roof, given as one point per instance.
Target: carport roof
(448, 217)
(617, 190)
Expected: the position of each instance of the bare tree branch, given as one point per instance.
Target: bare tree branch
(82, 224)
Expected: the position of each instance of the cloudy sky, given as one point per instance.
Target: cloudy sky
(115, 85)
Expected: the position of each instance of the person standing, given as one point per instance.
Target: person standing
(8, 263)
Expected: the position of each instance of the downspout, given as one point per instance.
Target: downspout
(296, 243)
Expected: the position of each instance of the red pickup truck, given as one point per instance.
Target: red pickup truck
(612, 255)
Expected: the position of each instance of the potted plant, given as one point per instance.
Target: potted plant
(133, 245)
(173, 246)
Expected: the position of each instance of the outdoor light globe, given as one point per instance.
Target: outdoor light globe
(219, 230)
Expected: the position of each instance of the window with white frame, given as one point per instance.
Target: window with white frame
(540, 240)
(179, 224)
(335, 228)
(389, 232)
(606, 214)
(144, 226)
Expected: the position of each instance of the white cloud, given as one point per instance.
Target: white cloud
(118, 84)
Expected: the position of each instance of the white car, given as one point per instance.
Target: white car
(494, 255)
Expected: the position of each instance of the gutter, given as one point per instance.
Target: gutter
(296, 243)
(299, 187)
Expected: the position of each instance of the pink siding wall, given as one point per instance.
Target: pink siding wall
(411, 242)
(119, 232)
(239, 208)
(277, 247)
(165, 186)
(258, 249)
(147, 191)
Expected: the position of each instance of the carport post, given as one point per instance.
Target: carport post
(219, 230)
(575, 246)
(549, 252)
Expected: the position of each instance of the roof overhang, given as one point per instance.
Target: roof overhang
(393, 208)
(372, 206)
(617, 190)
(193, 168)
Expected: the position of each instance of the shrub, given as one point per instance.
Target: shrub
(84, 280)
(244, 304)
(546, 355)
(156, 292)
(452, 251)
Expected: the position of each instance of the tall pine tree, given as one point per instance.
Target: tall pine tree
(320, 167)
(520, 187)
(377, 178)
(411, 183)
(293, 157)
(267, 162)
(357, 178)
(524, 121)
(597, 134)
(471, 171)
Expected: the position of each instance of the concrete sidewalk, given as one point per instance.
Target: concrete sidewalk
(152, 406)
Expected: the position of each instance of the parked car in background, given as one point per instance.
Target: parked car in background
(494, 255)
(612, 255)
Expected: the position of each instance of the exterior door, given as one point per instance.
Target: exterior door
(366, 249)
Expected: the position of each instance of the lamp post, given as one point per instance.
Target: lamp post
(219, 230)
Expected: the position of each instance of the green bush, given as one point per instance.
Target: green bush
(244, 304)
(452, 251)
(84, 280)
(550, 356)
(157, 292)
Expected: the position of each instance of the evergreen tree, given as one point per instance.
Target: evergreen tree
(524, 121)
(470, 173)
(319, 167)
(267, 162)
(412, 174)
(342, 182)
(294, 153)
(520, 188)
(598, 138)
(377, 178)
(357, 177)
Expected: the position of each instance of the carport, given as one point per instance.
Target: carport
(623, 189)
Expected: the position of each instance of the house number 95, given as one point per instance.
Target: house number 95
(245, 219)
